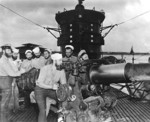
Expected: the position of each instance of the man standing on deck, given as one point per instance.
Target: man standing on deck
(15, 63)
(39, 61)
(47, 56)
(27, 63)
(69, 54)
(6, 77)
(69, 59)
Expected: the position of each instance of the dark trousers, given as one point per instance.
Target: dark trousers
(5, 88)
(41, 95)
(27, 97)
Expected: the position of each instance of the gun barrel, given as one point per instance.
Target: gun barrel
(113, 73)
(119, 73)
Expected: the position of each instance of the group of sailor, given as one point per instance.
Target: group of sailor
(11, 67)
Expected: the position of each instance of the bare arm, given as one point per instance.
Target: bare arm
(63, 79)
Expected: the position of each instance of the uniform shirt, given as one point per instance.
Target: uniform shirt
(72, 59)
(6, 68)
(38, 62)
(26, 64)
(49, 77)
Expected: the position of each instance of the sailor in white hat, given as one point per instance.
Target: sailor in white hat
(57, 60)
(37, 52)
(6, 78)
(15, 53)
(82, 55)
(47, 84)
(28, 51)
(69, 54)
(39, 60)
(28, 54)
(16, 65)
(27, 63)
(69, 46)
(47, 56)
(15, 60)
(69, 59)
(7, 50)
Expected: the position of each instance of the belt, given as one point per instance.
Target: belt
(45, 89)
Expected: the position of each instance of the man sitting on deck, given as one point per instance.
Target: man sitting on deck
(46, 85)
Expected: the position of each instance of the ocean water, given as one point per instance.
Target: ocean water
(137, 58)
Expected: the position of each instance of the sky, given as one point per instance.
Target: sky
(16, 30)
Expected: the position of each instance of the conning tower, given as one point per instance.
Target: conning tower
(81, 28)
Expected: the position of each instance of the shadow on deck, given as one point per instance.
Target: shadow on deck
(30, 115)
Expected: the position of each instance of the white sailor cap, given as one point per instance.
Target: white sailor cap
(36, 50)
(81, 53)
(15, 50)
(69, 46)
(56, 56)
(28, 51)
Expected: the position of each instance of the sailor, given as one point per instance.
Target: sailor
(15, 59)
(25, 82)
(82, 55)
(39, 60)
(47, 56)
(47, 83)
(15, 63)
(86, 88)
(69, 54)
(69, 59)
(27, 63)
(6, 78)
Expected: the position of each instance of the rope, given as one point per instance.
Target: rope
(112, 26)
(133, 18)
(21, 16)
(48, 29)
(30, 20)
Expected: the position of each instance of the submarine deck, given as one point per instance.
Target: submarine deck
(126, 110)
